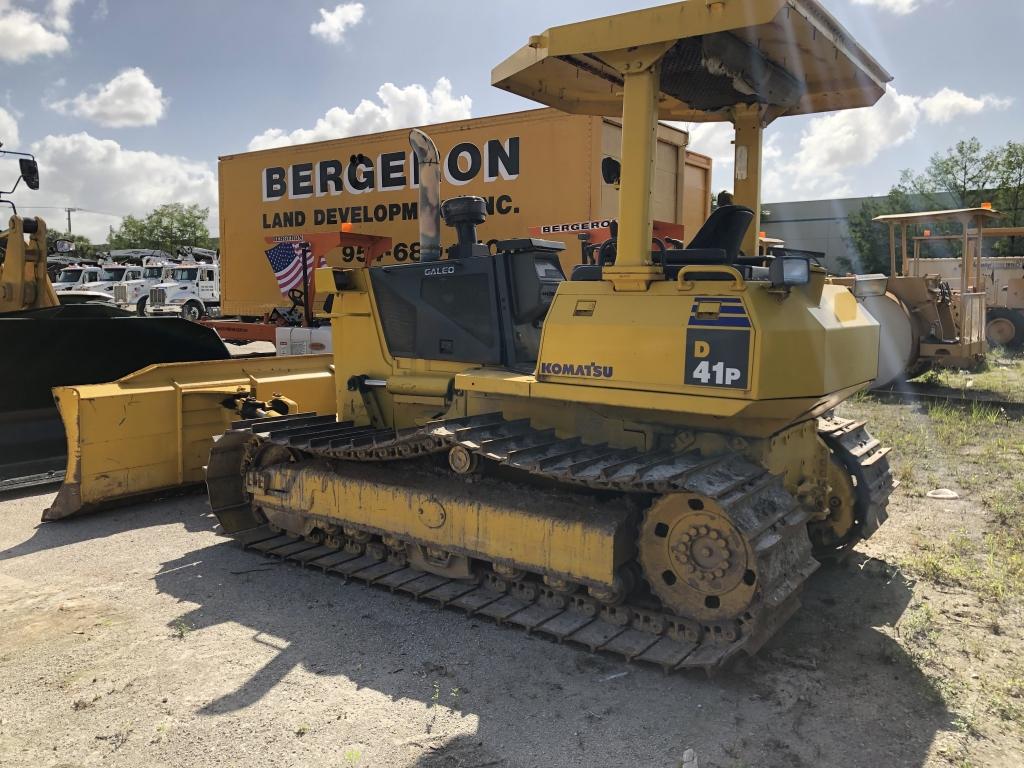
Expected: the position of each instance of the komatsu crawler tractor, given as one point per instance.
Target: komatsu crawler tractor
(640, 457)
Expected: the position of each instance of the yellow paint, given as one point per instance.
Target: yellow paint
(24, 283)
(153, 429)
(750, 124)
(555, 537)
(800, 35)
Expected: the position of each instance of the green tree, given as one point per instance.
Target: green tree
(165, 228)
(871, 239)
(1009, 198)
(966, 173)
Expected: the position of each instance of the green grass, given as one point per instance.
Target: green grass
(918, 627)
(1002, 376)
(978, 452)
(180, 629)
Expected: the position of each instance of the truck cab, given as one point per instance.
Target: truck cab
(76, 276)
(111, 274)
(192, 292)
(133, 293)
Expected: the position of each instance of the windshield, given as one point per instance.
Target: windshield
(115, 275)
(150, 272)
(69, 275)
(182, 275)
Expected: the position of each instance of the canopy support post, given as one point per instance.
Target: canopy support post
(749, 124)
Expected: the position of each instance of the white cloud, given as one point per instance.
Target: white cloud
(27, 34)
(8, 130)
(129, 100)
(712, 139)
(716, 141)
(332, 24)
(397, 108)
(832, 144)
(947, 105)
(60, 14)
(83, 171)
(899, 7)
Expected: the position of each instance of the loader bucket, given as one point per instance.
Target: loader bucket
(76, 344)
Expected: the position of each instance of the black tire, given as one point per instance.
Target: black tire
(192, 310)
(1004, 327)
(140, 308)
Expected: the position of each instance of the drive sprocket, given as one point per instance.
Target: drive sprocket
(694, 558)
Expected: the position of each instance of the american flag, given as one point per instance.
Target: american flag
(285, 260)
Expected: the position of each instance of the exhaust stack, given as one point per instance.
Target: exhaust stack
(429, 213)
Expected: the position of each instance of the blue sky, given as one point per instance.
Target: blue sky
(129, 103)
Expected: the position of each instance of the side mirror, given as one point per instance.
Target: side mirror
(789, 271)
(611, 170)
(64, 246)
(29, 172)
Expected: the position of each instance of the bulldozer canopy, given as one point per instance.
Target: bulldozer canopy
(791, 56)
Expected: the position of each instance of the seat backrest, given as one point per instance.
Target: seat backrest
(586, 272)
(724, 229)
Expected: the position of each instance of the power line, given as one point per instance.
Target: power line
(64, 208)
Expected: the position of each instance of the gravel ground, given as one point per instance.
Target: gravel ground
(138, 637)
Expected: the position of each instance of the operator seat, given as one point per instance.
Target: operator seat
(717, 242)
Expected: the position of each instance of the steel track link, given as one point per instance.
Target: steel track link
(755, 501)
(868, 462)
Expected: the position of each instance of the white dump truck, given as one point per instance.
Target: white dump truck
(192, 292)
(76, 276)
(111, 274)
(133, 293)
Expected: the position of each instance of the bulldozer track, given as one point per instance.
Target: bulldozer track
(756, 503)
(868, 462)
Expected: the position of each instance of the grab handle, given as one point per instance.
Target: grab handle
(684, 284)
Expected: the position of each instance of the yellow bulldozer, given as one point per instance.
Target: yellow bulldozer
(640, 458)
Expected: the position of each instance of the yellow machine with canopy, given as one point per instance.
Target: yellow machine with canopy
(641, 459)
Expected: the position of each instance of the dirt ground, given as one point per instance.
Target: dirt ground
(139, 638)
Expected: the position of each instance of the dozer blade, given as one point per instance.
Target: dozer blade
(151, 431)
(80, 344)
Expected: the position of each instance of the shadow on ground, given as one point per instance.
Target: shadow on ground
(185, 507)
(830, 689)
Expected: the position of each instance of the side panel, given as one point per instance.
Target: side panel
(682, 179)
(713, 342)
(697, 192)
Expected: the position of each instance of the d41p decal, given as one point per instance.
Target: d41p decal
(718, 345)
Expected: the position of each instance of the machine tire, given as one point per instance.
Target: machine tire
(1004, 327)
(192, 310)
(140, 307)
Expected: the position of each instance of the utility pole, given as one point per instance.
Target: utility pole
(69, 211)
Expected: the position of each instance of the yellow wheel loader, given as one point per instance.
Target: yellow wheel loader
(46, 344)
(641, 459)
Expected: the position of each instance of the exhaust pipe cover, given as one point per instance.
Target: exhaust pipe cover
(429, 213)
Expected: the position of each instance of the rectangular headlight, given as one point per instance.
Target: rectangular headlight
(787, 271)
